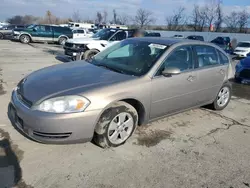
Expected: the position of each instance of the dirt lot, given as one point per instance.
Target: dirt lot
(198, 148)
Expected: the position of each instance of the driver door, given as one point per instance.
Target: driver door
(177, 92)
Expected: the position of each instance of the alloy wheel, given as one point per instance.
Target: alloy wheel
(223, 96)
(120, 128)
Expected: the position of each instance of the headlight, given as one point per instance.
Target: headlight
(66, 104)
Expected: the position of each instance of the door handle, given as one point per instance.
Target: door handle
(191, 78)
(222, 72)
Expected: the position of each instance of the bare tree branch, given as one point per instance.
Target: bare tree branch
(99, 17)
(176, 21)
(143, 18)
(76, 16)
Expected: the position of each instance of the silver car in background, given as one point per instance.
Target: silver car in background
(131, 83)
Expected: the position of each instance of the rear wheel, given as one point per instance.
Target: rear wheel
(116, 125)
(1, 36)
(223, 97)
(62, 40)
(25, 39)
(89, 54)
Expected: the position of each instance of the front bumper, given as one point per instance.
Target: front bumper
(50, 127)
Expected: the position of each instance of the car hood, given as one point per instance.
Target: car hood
(84, 40)
(67, 78)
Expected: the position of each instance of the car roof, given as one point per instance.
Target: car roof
(169, 41)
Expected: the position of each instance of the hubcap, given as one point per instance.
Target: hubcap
(120, 128)
(223, 96)
(25, 39)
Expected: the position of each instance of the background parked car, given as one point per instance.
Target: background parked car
(242, 71)
(178, 36)
(88, 47)
(43, 33)
(6, 31)
(242, 49)
(81, 33)
(195, 37)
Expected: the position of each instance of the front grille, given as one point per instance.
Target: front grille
(245, 73)
(70, 45)
(22, 99)
(52, 135)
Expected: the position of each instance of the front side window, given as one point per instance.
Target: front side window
(181, 58)
(47, 29)
(119, 36)
(132, 57)
(206, 55)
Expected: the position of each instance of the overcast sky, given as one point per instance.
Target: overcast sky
(88, 8)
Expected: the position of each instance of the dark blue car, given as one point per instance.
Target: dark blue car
(242, 71)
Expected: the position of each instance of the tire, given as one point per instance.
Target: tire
(25, 39)
(225, 91)
(88, 55)
(1, 36)
(110, 131)
(62, 40)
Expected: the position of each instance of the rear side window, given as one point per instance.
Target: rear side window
(80, 31)
(206, 55)
(223, 59)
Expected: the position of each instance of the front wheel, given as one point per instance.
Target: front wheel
(223, 97)
(89, 54)
(25, 39)
(116, 125)
(62, 40)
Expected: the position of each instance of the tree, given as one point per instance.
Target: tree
(105, 16)
(124, 19)
(219, 17)
(243, 18)
(143, 18)
(99, 17)
(15, 20)
(48, 15)
(231, 21)
(114, 17)
(176, 21)
(76, 16)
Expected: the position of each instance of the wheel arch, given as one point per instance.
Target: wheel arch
(25, 34)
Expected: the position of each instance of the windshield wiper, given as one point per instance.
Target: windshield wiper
(111, 68)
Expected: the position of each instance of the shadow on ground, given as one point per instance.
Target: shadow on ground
(10, 157)
(241, 90)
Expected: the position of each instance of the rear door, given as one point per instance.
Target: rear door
(42, 33)
(211, 72)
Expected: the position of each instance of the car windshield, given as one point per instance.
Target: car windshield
(31, 26)
(132, 57)
(244, 44)
(104, 34)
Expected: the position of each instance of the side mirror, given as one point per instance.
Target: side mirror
(168, 72)
(34, 29)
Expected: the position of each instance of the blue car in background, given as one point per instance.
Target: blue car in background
(242, 71)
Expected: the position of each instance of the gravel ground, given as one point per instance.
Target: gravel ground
(197, 148)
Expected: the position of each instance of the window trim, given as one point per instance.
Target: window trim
(185, 71)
